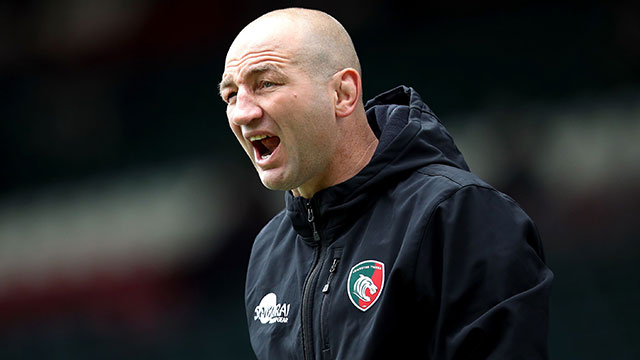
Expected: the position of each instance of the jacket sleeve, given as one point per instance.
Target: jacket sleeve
(491, 285)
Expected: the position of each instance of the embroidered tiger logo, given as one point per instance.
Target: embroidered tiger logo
(361, 285)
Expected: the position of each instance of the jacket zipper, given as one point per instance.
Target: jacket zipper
(323, 312)
(312, 220)
(334, 266)
(307, 296)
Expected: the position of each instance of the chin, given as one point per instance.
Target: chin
(274, 183)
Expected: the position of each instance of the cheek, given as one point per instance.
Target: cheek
(237, 131)
(235, 128)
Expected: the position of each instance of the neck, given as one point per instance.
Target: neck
(357, 148)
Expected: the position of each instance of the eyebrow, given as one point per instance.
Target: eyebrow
(250, 72)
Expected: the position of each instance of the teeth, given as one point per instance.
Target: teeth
(258, 137)
(265, 157)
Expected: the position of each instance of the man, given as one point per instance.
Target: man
(389, 247)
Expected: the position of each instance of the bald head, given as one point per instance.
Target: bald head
(293, 90)
(320, 44)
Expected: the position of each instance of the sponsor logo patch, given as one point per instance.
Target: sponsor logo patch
(365, 283)
(269, 311)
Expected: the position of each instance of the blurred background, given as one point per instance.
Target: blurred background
(127, 210)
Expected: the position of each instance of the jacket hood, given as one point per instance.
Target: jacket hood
(410, 137)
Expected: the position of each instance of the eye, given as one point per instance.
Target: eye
(230, 96)
(267, 84)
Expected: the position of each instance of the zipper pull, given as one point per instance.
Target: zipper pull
(311, 219)
(332, 270)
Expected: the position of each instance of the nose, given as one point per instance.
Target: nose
(245, 109)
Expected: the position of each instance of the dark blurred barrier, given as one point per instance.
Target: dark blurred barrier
(127, 211)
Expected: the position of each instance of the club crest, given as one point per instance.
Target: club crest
(365, 283)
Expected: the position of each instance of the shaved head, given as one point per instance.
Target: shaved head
(322, 45)
(293, 90)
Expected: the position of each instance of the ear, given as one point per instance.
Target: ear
(348, 88)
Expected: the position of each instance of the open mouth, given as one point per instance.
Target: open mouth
(264, 145)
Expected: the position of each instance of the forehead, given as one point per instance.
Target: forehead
(268, 40)
(265, 60)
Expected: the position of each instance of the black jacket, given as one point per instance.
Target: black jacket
(414, 255)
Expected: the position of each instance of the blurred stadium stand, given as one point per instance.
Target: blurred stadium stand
(127, 210)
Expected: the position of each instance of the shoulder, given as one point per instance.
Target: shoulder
(452, 183)
(275, 237)
(274, 224)
(469, 208)
(459, 193)
(432, 185)
(455, 178)
(276, 227)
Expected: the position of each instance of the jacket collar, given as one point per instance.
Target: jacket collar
(410, 137)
